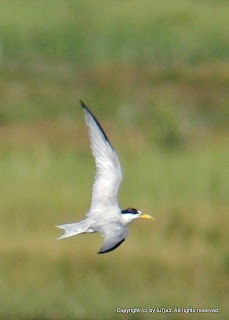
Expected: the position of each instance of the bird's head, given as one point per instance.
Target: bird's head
(131, 214)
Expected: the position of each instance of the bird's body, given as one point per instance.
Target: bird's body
(105, 215)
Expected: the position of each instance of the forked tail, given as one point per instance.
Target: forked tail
(72, 229)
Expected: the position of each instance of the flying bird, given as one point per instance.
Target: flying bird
(104, 215)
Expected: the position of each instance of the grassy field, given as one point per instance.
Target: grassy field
(181, 259)
(156, 74)
(165, 33)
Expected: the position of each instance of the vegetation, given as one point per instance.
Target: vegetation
(156, 74)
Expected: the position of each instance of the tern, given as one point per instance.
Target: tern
(104, 215)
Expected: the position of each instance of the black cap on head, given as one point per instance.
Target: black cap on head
(130, 210)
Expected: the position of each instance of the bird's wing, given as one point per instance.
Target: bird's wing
(108, 169)
(114, 236)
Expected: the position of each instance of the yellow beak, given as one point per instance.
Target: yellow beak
(146, 216)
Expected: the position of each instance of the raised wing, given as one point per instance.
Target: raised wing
(109, 173)
(113, 238)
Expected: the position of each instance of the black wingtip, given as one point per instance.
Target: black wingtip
(112, 248)
(83, 105)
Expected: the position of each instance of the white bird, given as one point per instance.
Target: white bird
(105, 215)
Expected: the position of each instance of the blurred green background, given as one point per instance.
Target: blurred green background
(156, 74)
